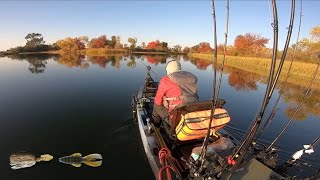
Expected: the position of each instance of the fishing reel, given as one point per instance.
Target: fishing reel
(208, 169)
(267, 156)
(148, 80)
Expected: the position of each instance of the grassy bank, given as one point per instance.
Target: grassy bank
(104, 51)
(43, 52)
(301, 72)
(160, 53)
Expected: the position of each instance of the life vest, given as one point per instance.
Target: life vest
(194, 125)
(187, 83)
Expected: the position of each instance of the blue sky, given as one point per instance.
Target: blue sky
(177, 22)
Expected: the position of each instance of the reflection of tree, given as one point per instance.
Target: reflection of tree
(99, 60)
(242, 80)
(115, 61)
(185, 57)
(132, 62)
(37, 66)
(155, 59)
(293, 96)
(37, 62)
(201, 64)
(102, 61)
(73, 60)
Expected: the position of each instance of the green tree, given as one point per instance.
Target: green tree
(118, 42)
(113, 42)
(34, 40)
(143, 45)
(177, 48)
(132, 42)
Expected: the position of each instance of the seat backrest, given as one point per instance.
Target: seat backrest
(182, 109)
(194, 125)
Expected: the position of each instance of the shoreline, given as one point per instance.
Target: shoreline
(102, 52)
(300, 74)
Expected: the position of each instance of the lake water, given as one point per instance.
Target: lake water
(64, 105)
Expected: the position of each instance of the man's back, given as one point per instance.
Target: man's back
(176, 88)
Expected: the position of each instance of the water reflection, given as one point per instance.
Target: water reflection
(73, 60)
(37, 63)
(95, 111)
(311, 106)
(156, 59)
(102, 61)
(242, 80)
(132, 62)
(201, 64)
(239, 79)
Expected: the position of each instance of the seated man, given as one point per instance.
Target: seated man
(175, 88)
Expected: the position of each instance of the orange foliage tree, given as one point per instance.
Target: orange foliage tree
(249, 44)
(99, 42)
(204, 47)
(157, 45)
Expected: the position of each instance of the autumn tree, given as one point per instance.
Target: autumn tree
(315, 33)
(71, 45)
(157, 45)
(194, 49)
(204, 47)
(308, 47)
(249, 44)
(186, 49)
(153, 44)
(99, 42)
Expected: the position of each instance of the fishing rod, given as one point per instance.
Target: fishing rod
(216, 88)
(274, 109)
(224, 50)
(241, 150)
(213, 103)
(299, 106)
(285, 49)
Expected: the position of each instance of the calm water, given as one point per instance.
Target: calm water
(64, 105)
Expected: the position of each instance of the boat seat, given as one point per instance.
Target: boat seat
(189, 121)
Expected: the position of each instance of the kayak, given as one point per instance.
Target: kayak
(172, 157)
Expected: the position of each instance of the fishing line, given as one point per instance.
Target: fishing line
(299, 106)
(255, 125)
(258, 116)
(274, 109)
(150, 69)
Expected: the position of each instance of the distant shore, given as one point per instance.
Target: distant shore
(300, 73)
(98, 52)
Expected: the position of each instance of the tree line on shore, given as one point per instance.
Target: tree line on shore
(249, 44)
(253, 45)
